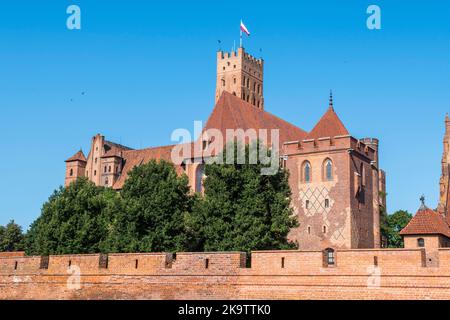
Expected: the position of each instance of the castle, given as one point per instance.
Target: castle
(335, 178)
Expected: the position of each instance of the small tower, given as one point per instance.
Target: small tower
(75, 167)
(444, 181)
(240, 74)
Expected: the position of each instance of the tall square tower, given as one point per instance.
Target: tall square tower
(240, 74)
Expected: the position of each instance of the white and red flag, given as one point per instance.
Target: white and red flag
(244, 29)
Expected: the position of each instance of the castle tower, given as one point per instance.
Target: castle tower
(444, 195)
(240, 74)
(75, 167)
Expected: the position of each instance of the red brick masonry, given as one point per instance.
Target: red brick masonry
(272, 275)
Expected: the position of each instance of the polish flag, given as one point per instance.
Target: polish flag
(244, 29)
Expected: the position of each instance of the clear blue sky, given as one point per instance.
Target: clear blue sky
(148, 67)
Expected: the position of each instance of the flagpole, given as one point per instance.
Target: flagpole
(241, 40)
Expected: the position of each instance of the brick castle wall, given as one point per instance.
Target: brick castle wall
(404, 274)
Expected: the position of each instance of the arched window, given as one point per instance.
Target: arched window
(328, 170)
(329, 257)
(199, 175)
(420, 242)
(71, 172)
(106, 169)
(306, 172)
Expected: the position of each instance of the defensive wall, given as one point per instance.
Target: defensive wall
(355, 274)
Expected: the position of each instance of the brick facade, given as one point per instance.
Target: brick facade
(403, 274)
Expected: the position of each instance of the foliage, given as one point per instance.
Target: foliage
(243, 210)
(394, 224)
(11, 237)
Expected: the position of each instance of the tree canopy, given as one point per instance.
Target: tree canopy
(11, 237)
(242, 209)
(392, 226)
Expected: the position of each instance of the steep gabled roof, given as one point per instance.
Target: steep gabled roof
(79, 156)
(426, 221)
(328, 126)
(232, 112)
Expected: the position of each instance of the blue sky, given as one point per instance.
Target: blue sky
(148, 67)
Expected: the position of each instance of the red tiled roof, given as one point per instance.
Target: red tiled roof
(79, 156)
(426, 221)
(328, 126)
(232, 112)
(114, 149)
(135, 158)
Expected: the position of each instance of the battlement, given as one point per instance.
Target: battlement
(283, 274)
(240, 53)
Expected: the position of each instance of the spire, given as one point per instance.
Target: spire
(331, 100)
(422, 206)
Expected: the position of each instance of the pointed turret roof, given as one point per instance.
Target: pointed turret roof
(79, 156)
(329, 125)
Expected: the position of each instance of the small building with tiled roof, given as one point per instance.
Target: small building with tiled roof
(334, 177)
(427, 229)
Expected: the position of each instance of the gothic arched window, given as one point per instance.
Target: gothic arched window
(306, 172)
(328, 170)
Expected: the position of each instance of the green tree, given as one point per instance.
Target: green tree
(394, 224)
(11, 237)
(151, 218)
(74, 220)
(243, 210)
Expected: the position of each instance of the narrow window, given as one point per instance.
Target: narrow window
(234, 80)
(71, 172)
(95, 172)
(223, 82)
(206, 263)
(136, 264)
(109, 169)
(375, 261)
(307, 204)
(420, 242)
(307, 172)
(328, 170)
(106, 168)
(282, 262)
(106, 181)
(15, 265)
(309, 230)
(70, 263)
(327, 203)
(117, 170)
(324, 229)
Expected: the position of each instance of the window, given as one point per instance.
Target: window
(306, 172)
(282, 262)
(329, 257)
(420, 242)
(106, 168)
(206, 263)
(328, 170)
(106, 181)
(309, 230)
(324, 229)
(307, 204)
(70, 263)
(223, 82)
(109, 169)
(234, 80)
(71, 172)
(117, 170)
(95, 172)
(136, 264)
(16, 265)
(327, 203)
(95, 160)
(199, 175)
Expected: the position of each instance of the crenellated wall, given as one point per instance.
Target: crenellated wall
(356, 274)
